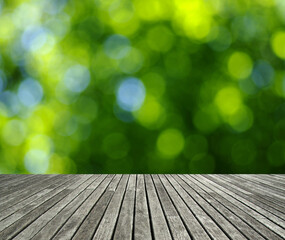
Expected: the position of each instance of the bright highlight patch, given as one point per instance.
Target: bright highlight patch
(34, 38)
(150, 113)
(153, 10)
(42, 120)
(239, 65)
(40, 142)
(36, 161)
(228, 100)
(195, 17)
(170, 143)
(7, 28)
(30, 92)
(278, 44)
(131, 94)
(9, 104)
(77, 78)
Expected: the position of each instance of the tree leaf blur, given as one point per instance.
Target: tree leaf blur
(121, 86)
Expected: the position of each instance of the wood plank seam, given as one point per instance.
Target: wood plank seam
(244, 208)
(93, 208)
(150, 219)
(243, 215)
(195, 215)
(142, 207)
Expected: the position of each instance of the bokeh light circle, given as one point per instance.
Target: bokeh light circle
(228, 100)
(30, 92)
(277, 43)
(77, 78)
(263, 74)
(34, 38)
(170, 143)
(130, 94)
(240, 65)
(36, 161)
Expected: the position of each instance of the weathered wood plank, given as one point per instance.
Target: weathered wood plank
(61, 218)
(257, 189)
(176, 225)
(124, 228)
(264, 181)
(32, 206)
(195, 229)
(279, 177)
(228, 213)
(12, 181)
(142, 230)
(107, 225)
(247, 203)
(27, 192)
(28, 215)
(9, 176)
(142, 207)
(219, 219)
(256, 182)
(48, 187)
(30, 181)
(256, 198)
(256, 220)
(33, 228)
(211, 227)
(158, 221)
(94, 217)
(73, 223)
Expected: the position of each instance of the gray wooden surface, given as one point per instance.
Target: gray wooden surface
(142, 207)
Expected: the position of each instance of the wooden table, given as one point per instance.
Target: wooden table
(142, 207)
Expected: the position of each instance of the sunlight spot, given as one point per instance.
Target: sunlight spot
(131, 94)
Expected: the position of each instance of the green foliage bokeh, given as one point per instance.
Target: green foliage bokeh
(142, 86)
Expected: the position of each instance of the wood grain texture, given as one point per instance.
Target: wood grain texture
(143, 207)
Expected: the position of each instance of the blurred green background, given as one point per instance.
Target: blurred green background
(143, 86)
